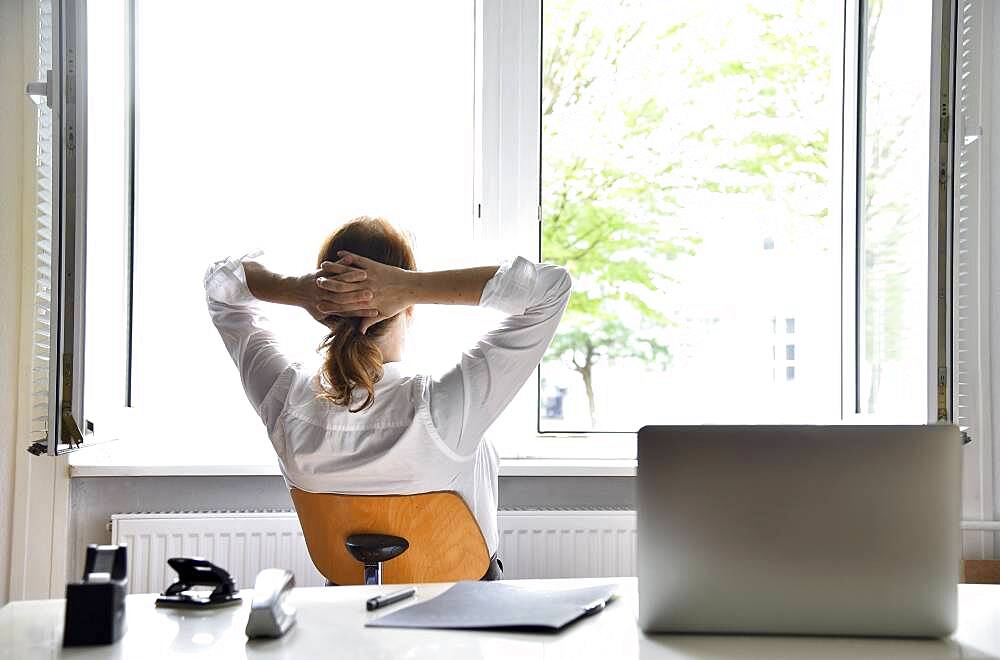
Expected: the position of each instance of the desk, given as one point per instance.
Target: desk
(330, 625)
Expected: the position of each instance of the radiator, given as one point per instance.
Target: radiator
(561, 543)
(533, 544)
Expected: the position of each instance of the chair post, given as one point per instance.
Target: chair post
(373, 573)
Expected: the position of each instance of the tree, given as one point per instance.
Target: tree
(605, 217)
(634, 138)
(887, 212)
(772, 147)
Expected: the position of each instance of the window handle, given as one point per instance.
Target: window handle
(970, 136)
(40, 88)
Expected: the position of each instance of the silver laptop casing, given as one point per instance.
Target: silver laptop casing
(822, 530)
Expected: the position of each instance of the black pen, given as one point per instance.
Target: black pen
(382, 601)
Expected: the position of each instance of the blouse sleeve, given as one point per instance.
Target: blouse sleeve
(466, 399)
(264, 369)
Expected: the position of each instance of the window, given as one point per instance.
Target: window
(655, 195)
(706, 238)
(270, 126)
(893, 211)
(328, 111)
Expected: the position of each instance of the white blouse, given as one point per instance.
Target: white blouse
(422, 433)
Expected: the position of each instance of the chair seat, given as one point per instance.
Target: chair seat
(375, 548)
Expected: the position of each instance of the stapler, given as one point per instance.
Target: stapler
(270, 615)
(197, 572)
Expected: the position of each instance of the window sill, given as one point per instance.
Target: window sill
(509, 467)
(530, 456)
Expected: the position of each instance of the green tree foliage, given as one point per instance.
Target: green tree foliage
(605, 215)
(647, 116)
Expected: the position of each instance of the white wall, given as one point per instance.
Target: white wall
(991, 165)
(13, 117)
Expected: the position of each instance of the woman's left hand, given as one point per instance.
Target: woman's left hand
(334, 290)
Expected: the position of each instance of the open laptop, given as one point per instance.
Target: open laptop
(824, 530)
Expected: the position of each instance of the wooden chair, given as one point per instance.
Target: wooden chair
(431, 537)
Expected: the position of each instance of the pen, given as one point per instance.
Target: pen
(382, 601)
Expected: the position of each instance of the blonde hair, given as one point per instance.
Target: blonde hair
(352, 359)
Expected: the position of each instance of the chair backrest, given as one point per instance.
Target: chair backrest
(446, 543)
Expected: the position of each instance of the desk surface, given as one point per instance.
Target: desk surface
(331, 624)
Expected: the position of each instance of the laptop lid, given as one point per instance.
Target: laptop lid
(837, 530)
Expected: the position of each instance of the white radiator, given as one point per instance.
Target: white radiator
(533, 544)
(243, 543)
(566, 543)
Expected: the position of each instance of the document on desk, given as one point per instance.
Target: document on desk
(498, 605)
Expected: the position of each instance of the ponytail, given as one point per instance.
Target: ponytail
(351, 360)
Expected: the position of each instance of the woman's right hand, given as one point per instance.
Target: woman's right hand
(392, 289)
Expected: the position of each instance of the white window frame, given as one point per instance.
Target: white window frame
(506, 191)
(850, 155)
(975, 249)
(41, 508)
(512, 70)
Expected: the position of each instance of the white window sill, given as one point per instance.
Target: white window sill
(531, 456)
(509, 467)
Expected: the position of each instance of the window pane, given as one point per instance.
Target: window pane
(107, 179)
(266, 125)
(893, 313)
(691, 183)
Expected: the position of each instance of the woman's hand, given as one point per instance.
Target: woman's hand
(336, 290)
(333, 290)
(391, 289)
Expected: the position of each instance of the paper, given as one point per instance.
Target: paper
(498, 605)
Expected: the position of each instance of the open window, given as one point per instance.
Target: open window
(58, 421)
(747, 195)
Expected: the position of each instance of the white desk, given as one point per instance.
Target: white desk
(330, 625)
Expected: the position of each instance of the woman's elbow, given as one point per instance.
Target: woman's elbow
(564, 284)
(558, 284)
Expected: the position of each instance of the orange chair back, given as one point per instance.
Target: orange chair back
(446, 543)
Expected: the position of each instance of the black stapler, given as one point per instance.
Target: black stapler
(195, 572)
(95, 606)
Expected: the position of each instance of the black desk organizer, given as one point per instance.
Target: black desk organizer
(95, 607)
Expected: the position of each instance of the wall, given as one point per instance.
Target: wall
(94, 499)
(991, 206)
(12, 165)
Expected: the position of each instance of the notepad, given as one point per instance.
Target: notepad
(499, 605)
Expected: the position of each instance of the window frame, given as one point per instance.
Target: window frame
(850, 79)
(507, 195)
(974, 276)
(67, 428)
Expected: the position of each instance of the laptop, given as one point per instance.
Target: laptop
(815, 530)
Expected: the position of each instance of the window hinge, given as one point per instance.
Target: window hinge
(40, 88)
(945, 118)
(479, 210)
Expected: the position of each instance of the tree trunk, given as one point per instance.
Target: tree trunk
(588, 383)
